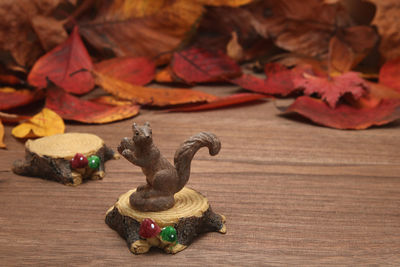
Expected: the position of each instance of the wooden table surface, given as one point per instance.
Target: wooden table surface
(293, 194)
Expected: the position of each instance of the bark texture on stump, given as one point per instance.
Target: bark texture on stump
(190, 216)
(49, 158)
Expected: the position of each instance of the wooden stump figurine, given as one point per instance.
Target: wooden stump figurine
(66, 158)
(163, 212)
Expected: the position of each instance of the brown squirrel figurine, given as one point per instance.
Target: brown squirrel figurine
(163, 179)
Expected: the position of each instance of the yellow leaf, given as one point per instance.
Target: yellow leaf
(2, 145)
(45, 123)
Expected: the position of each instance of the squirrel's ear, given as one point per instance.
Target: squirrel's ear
(134, 125)
(147, 124)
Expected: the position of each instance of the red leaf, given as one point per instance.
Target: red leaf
(389, 74)
(61, 66)
(332, 88)
(11, 98)
(72, 108)
(346, 117)
(279, 80)
(221, 102)
(134, 70)
(197, 65)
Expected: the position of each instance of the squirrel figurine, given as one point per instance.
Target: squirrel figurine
(163, 178)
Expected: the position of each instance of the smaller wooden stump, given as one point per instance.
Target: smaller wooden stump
(190, 216)
(49, 158)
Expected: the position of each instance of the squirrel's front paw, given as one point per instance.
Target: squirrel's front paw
(126, 143)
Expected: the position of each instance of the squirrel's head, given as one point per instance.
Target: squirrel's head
(142, 134)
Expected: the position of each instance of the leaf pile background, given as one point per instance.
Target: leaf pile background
(338, 59)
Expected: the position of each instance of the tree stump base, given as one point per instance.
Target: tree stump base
(49, 158)
(190, 216)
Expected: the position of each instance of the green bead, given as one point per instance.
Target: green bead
(94, 162)
(168, 234)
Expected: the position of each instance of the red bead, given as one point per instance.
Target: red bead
(79, 161)
(148, 228)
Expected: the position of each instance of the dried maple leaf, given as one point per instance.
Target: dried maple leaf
(196, 65)
(150, 96)
(11, 98)
(63, 66)
(387, 21)
(2, 145)
(279, 80)
(45, 123)
(17, 34)
(349, 47)
(304, 27)
(70, 107)
(221, 102)
(332, 88)
(140, 28)
(139, 71)
(344, 116)
(389, 74)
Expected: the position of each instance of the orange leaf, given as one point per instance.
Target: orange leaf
(111, 100)
(140, 28)
(150, 96)
(2, 145)
(72, 108)
(196, 65)
(344, 116)
(221, 102)
(63, 66)
(45, 123)
(138, 71)
(389, 74)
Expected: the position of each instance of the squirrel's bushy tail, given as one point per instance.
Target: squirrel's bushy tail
(184, 154)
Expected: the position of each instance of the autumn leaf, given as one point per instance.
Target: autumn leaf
(197, 65)
(138, 71)
(349, 47)
(11, 98)
(70, 107)
(63, 66)
(279, 80)
(140, 28)
(221, 102)
(332, 88)
(150, 96)
(344, 116)
(111, 100)
(165, 75)
(386, 19)
(389, 74)
(2, 145)
(45, 123)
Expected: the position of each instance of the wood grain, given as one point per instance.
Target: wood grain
(293, 194)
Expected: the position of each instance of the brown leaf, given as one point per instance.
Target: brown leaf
(344, 116)
(233, 49)
(387, 21)
(349, 47)
(49, 31)
(63, 66)
(196, 65)
(70, 107)
(17, 35)
(45, 123)
(138, 71)
(140, 28)
(2, 145)
(12, 118)
(11, 98)
(150, 96)
(221, 102)
(332, 88)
